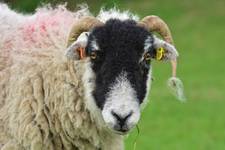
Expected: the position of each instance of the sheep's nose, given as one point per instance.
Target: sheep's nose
(121, 121)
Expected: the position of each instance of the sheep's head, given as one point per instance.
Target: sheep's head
(119, 55)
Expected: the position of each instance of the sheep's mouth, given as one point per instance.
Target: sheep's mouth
(124, 132)
(119, 132)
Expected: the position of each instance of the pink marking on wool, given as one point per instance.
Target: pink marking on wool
(44, 28)
(28, 33)
(7, 44)
(40, 25)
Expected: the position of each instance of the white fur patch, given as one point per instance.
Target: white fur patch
(148, 85)
(148, 43)
(89, 86)
(94, 45)
(122, 100)
(114, 13)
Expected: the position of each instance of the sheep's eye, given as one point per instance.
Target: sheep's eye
(93, 55)
(147, 57)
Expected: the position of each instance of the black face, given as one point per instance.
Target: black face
(117, 47)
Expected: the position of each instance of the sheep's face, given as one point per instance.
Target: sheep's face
(120, 60)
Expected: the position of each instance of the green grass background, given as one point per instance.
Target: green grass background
(198, 28)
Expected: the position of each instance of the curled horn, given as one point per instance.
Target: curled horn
(156, 24)
(83, 25)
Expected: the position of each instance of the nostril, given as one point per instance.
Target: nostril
(118, 117)
(128, 115)
(121, 119)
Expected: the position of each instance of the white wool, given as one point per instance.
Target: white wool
(42, 104)
(114, 13)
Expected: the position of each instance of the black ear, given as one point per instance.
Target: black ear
(76, 50)
(164, 50)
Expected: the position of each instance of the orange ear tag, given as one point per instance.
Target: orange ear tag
(81, 52)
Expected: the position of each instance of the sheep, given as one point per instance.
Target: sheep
(83, 91)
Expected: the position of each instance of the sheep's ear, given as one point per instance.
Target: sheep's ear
(76, 50)
(164, 50)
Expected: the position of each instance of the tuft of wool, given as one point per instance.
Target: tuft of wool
(177, 88)
(114, 13)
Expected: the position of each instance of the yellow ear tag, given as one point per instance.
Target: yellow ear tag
(159, 53)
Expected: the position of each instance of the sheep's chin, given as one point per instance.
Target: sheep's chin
(110, 129)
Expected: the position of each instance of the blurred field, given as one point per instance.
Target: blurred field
(198, 27)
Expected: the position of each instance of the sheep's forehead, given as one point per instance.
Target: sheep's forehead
(118, 35)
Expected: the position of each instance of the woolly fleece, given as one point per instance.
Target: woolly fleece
(42, 105)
